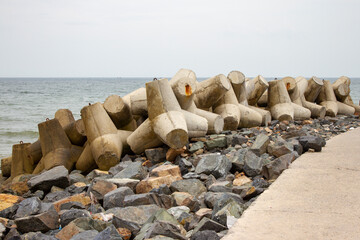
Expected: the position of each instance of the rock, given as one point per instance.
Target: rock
(196, 146)
(76, 188)
(27, 207)
(203, 212)
(13, 234)
(162, 228)
(260, 183)
(215, 164)
(237, 139)
(37, 236)
(312, 142)
(57, 176)
(221, 186)
(75, 177)
(205, 235)
(280, 148)
(110, 233)
(134, 170)
(230, 210)
(161, 200)
(124, 182)
(8, 205)
(116, 197)
(119, 167)
(252, 164)
(185, 166)
(68, 216)
(56, 196)
(219, 142)
(162, 189)
(70, 205)
(81, 198)
(237, 159)
(186, 199)
(133, 218)
(40, 194)
(2, 230)
(164, 174)
(172, 153)
(273, 169)
(96, 173)
(241, 179)
(191, 175)
(177, 211)
(42, 222)
(156, 155)
(80, 225)
(211, 198)
(193, 186)
(251, 192)
(164, 216)
(124, 233)
(208, 224)
(85, 235)
(296, 144)
(100, 188)
(260, 144)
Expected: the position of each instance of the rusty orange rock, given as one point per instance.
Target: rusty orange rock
(81, 198)
(8, 200)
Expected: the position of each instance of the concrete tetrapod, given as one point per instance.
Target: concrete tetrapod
(20, 163)
(255, 88)
(75, 130)
(184, 84)
(313, 89)
(342, 92)
(333, 107)
(209, 91)
(56, 147)
(165, 114)
(6, 166)
(279, 101)
(105, 143)
(86, 161)
(120, 113)
(300, 112)
(248, 117)
(298, 97)
(137, 102)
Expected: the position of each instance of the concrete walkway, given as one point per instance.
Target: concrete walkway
(318, 197)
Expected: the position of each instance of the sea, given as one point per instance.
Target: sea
(26, 102)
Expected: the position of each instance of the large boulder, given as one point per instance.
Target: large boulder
(57, 176)
(273, 169)
(252, 164)
(193, 186)
(133, 218)
(27, 207)
(215, 164)
(42, 222)
(161, 200)
(116, 197)
(134, 170)
(260, 144)
(67, 216)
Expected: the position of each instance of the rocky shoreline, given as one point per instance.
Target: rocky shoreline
(196, 192)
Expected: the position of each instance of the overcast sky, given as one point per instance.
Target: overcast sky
(113, 38)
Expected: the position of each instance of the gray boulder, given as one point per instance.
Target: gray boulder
(252, 164)
(134, 170)
(116, 197)
(133, 218)
(27, 207)
(42, 222)
(68, 216)
(162, 200)
(215, 164)
(273, 169)
(260, 144)
(85, 235)
(110, 233)
(193, 186)
(156, 155)
(57, 176)
(208, 224)
(205, 235)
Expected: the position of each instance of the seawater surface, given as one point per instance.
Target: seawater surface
(25, 102)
